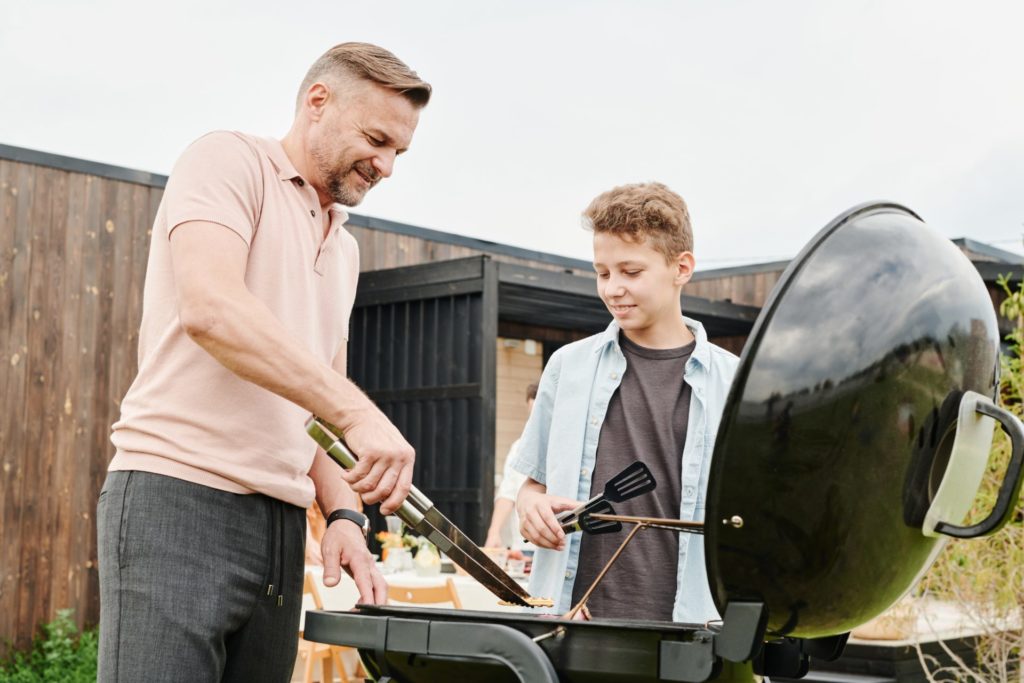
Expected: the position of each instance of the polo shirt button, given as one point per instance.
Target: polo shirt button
(312, 212)
(615, 375)
(568, 575)
(689, 490)
(584, 471)
(593, 421)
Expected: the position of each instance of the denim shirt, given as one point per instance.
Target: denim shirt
(559, 445)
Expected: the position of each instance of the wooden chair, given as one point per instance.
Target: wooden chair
(329, 656)
(425, 595)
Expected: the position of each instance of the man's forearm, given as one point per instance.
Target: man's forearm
(331, 490)
(239, 331)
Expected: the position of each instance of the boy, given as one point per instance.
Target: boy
(650, 387)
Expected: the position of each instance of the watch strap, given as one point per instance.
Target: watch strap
(357, 518)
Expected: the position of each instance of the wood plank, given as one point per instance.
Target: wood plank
(15, 267)
(8, 462)
(68, 457)
(49, 320)
(367, 252)
(385, 254)
(35, 549)
(20, 269)
(119, 228)
(114, 207)
(83, 411)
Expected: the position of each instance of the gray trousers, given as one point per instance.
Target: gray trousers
(196, 584)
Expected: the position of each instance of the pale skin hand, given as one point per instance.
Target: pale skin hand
(537, 512)
(219, 313)
(503, 507)
(343, 546)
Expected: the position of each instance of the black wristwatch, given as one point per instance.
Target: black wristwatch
(356, 518)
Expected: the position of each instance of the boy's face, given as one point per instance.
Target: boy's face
(640, 289)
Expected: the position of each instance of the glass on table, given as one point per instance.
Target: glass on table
(517, 568)
(395, 525)
(398, 560)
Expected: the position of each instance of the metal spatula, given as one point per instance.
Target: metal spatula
(585, 522)
(629, 483)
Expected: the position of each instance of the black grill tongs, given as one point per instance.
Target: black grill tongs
(584, 522)
(631, 482)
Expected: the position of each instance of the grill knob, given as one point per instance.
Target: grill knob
(736, 522)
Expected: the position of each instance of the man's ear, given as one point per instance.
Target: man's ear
(316, 100)
(685, 264)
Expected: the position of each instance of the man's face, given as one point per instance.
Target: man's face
(636, 283)
(354, 143)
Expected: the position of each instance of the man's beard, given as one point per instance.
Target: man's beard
(337, 187)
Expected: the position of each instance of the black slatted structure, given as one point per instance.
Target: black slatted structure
(423, 346)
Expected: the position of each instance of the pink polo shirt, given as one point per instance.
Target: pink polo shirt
(186, 415)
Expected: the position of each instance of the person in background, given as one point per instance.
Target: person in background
(504, 529)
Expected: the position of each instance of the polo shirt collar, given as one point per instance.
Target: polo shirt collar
(282, 164)
(286, 171)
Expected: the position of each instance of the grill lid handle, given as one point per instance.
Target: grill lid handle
(966, 468)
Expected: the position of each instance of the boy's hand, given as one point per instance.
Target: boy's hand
(537, 512)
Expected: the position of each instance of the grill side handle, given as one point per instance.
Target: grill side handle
(966, 467)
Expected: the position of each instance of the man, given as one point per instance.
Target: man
(650, 387)
(249, 287)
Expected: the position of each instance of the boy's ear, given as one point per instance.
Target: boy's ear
(685, 263)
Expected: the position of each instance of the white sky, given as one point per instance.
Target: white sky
(768, 117)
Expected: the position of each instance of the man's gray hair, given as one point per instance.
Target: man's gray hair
(367, 62)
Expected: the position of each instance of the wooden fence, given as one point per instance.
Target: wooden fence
(72, 258)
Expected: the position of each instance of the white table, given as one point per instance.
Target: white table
(344, 596)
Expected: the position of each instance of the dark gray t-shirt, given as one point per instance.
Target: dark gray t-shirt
(646, 420)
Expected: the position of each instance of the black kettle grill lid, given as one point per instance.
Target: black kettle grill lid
(847, 383)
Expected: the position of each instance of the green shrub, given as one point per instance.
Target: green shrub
(59, 655)
(984, 578)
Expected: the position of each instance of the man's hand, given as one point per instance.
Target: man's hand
(384, 471)
(344, 547)
(537, 512)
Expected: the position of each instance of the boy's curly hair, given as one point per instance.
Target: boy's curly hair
(643, 211)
